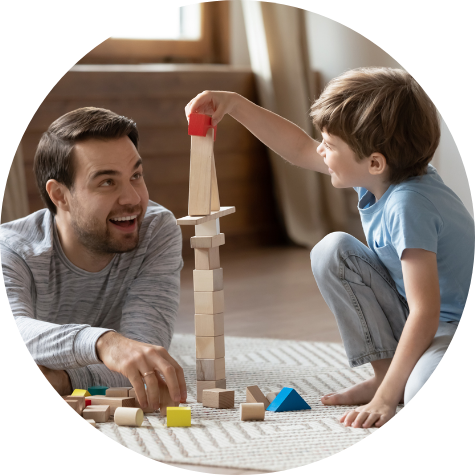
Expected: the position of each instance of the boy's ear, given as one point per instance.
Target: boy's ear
(59, 194)
(377, 163)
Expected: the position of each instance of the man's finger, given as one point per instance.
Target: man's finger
(169, 373)
(153, 391)
(180, 374)
(137, 383)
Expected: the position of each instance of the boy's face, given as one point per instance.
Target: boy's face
(346, 170)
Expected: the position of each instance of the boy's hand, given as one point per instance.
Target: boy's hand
(213, 103)
(376, 413)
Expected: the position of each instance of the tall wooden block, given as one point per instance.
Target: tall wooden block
(99, 413)
(208, 228)
(210, 369)
(210, 347)
(201, 164)
(118, 392)
(218, 398)
(254, 394)
(206, 259)
(201, 385)
(204, 242)
(208, 280)
(209, 325)
(209, 303)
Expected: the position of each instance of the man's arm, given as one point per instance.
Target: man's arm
(282, 136)
(419, 268)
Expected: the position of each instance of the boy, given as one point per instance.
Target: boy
(398, 301)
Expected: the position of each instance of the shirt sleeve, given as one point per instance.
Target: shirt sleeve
(413, 222)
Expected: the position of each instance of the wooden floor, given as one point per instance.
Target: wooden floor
(269, 292)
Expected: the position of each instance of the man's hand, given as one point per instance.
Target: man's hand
(59, 379)
(133, 359)
(377, 413)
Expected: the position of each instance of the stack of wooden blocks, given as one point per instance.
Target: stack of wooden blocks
(204, 212)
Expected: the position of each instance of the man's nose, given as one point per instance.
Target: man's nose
(129, 195)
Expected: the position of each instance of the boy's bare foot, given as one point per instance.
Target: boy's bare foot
(361, 393)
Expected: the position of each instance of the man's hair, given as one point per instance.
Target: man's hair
(54, 158)
(381, 110)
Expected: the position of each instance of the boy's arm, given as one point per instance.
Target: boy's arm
(282, 136)
(419, 268)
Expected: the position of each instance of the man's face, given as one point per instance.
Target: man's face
(108, 187)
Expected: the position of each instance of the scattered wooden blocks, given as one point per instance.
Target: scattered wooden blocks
(113, 402)
(179, 417)
(92, 422)
(288, 399)
(99, 413)
(252, 411)
(118, 392)
(209, 325)
(218, 398)
(204, 242)
(271, 396)
(206, 259)
(208, 280)
(98, 390)
(209, 303)
(128, 416)
(210, 347)
(254, 394)
(210, 369)
(80, 392)
(202, 385)
(81, 402)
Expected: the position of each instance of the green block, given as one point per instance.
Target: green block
(98, 390)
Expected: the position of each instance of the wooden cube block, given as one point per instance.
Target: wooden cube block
(209, 303)
(209, 325)
(209, 228)
(201, 385)
(254, 394)
(210, 347)
(208, 280)
(179, 417)
(92, 422)
(218, 398)
(128, 416)
(118, 392)
(113, 402)
(206, 259)
(99, 413)
(210, 369)
(204, 242)
(80, 392)
(74, 405)
(254, 411)
(81, 400)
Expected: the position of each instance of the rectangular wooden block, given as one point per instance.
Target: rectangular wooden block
(253, 411)
(210, 347)
(99, 413)
(118, 392)
(210, 369)
(218, 398)
(209, 325)
(208, 228)
(208, 280)
(254, 394)
(74, 405)
(196, 220)
(206, 259)
(92, 422)
(113, 402)
(179, 417)
(201, 385)
(207, 241)
(81, 400)
(209, 303)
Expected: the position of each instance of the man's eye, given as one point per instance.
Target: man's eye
(106, 183)
(137, 176)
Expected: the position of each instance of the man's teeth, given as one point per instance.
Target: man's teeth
(125, 218)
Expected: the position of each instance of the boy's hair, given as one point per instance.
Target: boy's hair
(381, 110)
(54, 155)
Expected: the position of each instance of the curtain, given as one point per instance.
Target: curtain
(277, 40)
(15, 200)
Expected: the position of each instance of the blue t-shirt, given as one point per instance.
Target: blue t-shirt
(423, 213)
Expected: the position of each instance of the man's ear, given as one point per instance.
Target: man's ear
(377, 163)
(59, 194)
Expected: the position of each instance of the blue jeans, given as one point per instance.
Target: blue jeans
(369, 310)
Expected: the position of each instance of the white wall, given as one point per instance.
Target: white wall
(333, 49)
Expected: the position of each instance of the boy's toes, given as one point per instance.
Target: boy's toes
(330, 399)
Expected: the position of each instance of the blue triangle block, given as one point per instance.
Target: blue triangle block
(288, 400)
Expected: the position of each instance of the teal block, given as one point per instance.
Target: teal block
(288, 400)
(98, 390)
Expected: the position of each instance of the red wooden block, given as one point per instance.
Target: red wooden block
(88, 402)
(199, 124)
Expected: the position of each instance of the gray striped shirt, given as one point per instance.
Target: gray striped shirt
(62, 310)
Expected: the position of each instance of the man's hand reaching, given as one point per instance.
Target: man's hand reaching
(135, 359)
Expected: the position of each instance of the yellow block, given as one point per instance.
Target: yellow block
(178, 416)
(81, 392)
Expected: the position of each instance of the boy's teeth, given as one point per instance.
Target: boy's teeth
(125, 218)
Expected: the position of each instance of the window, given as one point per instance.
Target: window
(195, 33)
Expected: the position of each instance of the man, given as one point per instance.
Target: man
(93, 279)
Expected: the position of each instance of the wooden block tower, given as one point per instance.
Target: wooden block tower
(204, 212)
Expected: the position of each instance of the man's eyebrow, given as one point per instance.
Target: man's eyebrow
(113, 172)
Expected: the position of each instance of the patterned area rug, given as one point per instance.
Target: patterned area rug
(284, 440)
